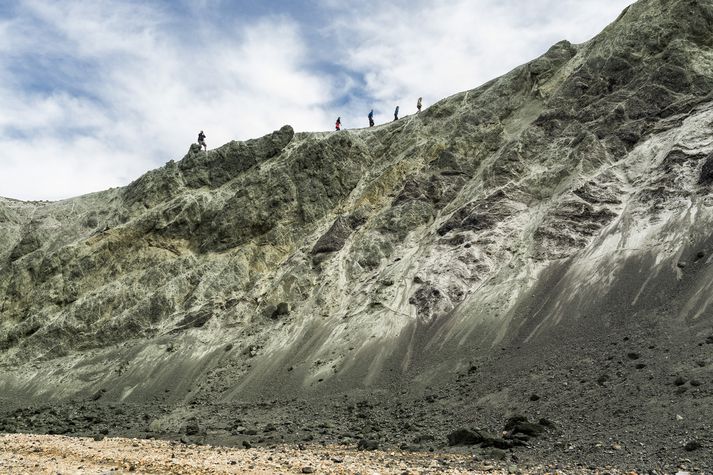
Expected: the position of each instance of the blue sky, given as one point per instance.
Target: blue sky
(95, 93)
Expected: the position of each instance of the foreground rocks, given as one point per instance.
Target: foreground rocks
(59, 454)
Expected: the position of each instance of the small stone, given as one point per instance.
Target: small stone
(633, 355)
(692, 445)
(616, 447)
(679, 381)
(544, 422)
(247, 444)
(307, 470)
(464, 437)
(534, 397)
(408, 447)
(99, 437)
(695, 383)
(366, 444)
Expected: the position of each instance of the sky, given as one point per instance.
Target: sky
(95, 93)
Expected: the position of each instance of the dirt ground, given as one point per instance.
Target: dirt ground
(53, 454)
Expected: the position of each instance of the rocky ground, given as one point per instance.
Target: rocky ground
(58, 454)
(21, 454)
(624, 402)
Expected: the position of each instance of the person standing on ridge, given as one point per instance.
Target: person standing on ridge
(418, 104)
(201, 141)
(396, 114)
(371, 118)
(338, 124)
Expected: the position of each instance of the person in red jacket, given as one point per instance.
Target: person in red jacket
(338, 124)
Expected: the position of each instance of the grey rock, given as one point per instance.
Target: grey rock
(367, 444)
(692, 445)
(334, 239)
(465, 437)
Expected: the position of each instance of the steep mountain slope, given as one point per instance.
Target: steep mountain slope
(548, 229)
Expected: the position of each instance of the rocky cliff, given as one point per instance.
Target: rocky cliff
(524, 236)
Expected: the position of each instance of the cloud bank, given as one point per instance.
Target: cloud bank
(94, 94)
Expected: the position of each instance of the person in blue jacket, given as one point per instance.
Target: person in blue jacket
(396, 113)
(371, 118)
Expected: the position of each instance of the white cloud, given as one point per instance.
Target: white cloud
(150, 93)
(435, 48)
(93, 94)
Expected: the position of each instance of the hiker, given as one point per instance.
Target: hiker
(201, 141)
(338, 124)
(418, 104)
(396, 114)
(371, 118)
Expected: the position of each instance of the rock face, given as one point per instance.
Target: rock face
(553, 203)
